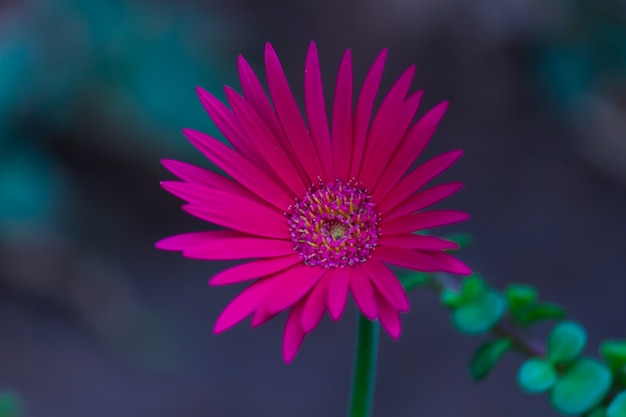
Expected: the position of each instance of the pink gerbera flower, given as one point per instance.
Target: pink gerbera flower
(322, 210)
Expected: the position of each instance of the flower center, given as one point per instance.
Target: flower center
(334, 225)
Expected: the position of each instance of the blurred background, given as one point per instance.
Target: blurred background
(93, 93)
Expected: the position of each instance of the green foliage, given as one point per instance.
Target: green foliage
(10, 404)
(614, 353)
(463, 239)
(414, 279)
(479, 314)
(524, 308)
(566, 342)
(617, 408)
(475, 307)
(487, 355)
(581, 387)
(536, 375)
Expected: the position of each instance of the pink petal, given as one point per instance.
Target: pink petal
(261, 316)
(363, 293)
(342, 119)
(230, 127)
(387, 284)
(338, 283)
(206, 194)
(422, 221)
(225, 244)
(237, 247)
(410, 148)
(315, 305)
(316, 110)
(295, 284)
(388, 127)
(245, 303)
(417, 179)
(265, 143)
(424, 261)
(242, 170)
(290, 117)
(254, 93)
(413, 241)
(363, 112)
(246, 221)
(389, 317)
(191, 173)
(254, 269)
(452, 265)
(424, 199)
(183, 241)
(294, 335)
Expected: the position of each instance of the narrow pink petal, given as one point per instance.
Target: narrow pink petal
(315, 304)
(265, 142)
(242, 170)
(363, 292)
(191, 173)
(417, 179)
(452, 264)
(198, 193)
(363, 112)
(246, 221)
(421, 221)
(424, 199)
(261, 316)
(387, 284)
(316, 110)
(237, 247)
(183, 241)
(413, 241)
(290, 117)
(225, 244)
(228, 124)
(342, 120)
(338, 283)
(424, 261)
(245, 303)
(256, 96)
(294, 335)
(254, 93)
(388, 127)
(389, 317)
(294, 285)
(410, 148)
(388, 141)
(254, 269)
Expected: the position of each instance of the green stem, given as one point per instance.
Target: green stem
(364, 368)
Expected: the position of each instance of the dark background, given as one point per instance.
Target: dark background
(93, 93)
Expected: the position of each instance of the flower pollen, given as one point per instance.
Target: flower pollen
(334, 225)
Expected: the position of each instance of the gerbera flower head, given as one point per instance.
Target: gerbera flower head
(319, 211)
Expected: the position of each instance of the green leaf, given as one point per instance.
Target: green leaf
(533, 313)
(617, 408)
(450, 299)
(581, 387)
(519, 296)
(536, 375)
(472, 287)
(10, 404)
(414, 279)
(486, 356)
(480, 314)
(566, 342)
(598, 412)
(614, 353)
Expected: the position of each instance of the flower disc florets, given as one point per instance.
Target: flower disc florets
(334, 225)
